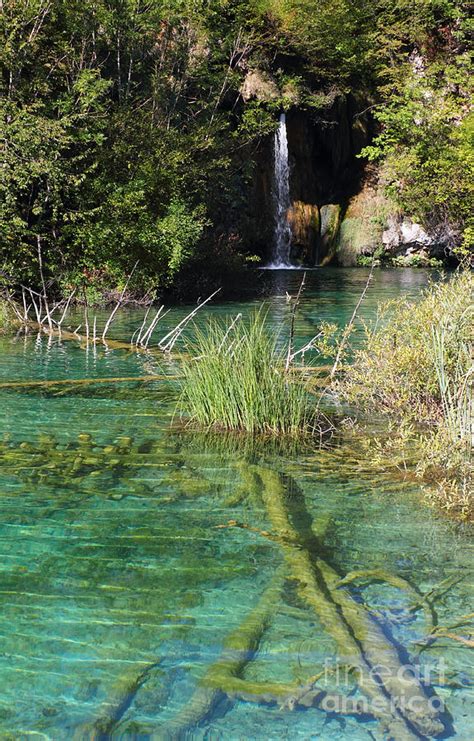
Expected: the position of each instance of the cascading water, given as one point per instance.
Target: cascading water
(282, 241)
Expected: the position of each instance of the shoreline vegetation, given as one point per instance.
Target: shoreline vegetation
(416, 370)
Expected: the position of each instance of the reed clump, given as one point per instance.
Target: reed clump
(237, 380)
(416, 365)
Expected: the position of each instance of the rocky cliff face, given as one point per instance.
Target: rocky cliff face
(325, 172)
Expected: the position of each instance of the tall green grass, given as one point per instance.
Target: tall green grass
(416, 366)
(236, 380)
(455, 388)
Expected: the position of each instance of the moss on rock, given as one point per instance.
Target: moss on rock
(362, 225)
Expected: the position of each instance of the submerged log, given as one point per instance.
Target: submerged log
(394, 696)
(393, 693)
(308, 695)
(115, 706)
(420, 601)
(83, 381)
(397, 698)
(239, 648)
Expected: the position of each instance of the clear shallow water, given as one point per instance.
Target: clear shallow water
(119, 590)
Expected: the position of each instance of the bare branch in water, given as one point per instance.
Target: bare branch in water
(292, 325)
(349, 326)
(71, 296)
(167, 342)
(229, 330)
(306, 348)
(145, 339)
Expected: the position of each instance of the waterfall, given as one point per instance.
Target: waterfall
(282, 234)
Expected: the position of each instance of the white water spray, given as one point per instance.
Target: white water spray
(282, 234)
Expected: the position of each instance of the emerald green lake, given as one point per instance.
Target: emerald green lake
(119, 587)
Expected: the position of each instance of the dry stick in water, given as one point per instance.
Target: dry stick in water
(35, 306)
(348, 328)
(63, 315)
(118, 304)
(25, 308)
(165, 345)
(139, 331)
(45, 298)
(229, 330)
(309, 346)
(51, 311)
(86, 316)
(145, 339)
(292, 326)
(167, 342)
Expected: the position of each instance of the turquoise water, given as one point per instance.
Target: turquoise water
(120, 588)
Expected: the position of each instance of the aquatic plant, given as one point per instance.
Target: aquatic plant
(396, 370)
(236, 380)
(454, 387)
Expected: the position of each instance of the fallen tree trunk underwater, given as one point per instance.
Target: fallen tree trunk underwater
(394, 695)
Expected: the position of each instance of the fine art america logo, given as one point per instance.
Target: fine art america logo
(338, 674)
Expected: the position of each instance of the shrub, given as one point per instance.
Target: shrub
(7, 316)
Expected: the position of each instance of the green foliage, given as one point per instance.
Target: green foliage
(125, 137)
(235, 380)
(426, 138)
(257, 120)
(115, 142)
(415, 260)
(7, 316)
